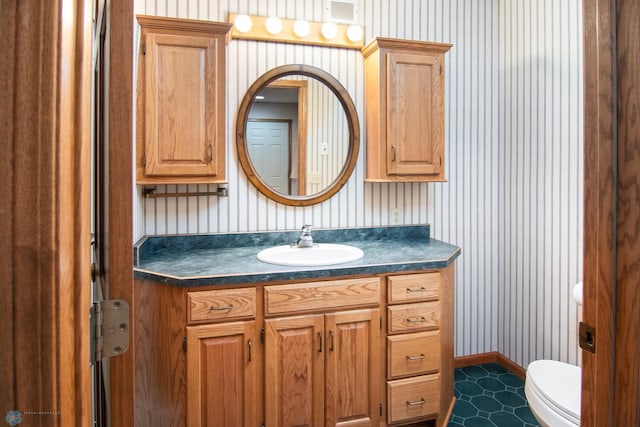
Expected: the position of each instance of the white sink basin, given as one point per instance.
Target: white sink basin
(319, 254)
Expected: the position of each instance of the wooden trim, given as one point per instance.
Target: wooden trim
(491, 357)
(402, 44)
(45, 129)
(301, 86)
(119, 220)
(352, 118)
(626, 406)
(180, 24)
(599, 210)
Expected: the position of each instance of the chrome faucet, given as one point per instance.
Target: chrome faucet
(305, 240)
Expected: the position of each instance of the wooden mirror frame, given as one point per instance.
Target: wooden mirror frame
(352, 119)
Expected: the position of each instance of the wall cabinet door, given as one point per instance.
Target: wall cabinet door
(352, 369)
(222, 380)
(415, 118)
(181, 106)
(294, 371)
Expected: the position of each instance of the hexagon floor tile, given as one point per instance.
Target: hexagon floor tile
(489, 395)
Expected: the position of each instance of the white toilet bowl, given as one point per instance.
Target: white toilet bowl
(553, 392)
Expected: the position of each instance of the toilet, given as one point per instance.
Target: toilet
(553, 388)
(553, 392)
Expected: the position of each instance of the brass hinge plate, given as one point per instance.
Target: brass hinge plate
(109, 328)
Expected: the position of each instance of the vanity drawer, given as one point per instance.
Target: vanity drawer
(413, 354)
(414, 317)
(223, 304)
(415, 397)
(414, 287)
(312, 296)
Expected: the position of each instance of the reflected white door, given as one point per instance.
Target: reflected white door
(268, 143)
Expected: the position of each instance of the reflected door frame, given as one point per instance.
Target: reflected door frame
(301, 87)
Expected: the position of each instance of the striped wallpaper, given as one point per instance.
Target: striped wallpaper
(513, 131)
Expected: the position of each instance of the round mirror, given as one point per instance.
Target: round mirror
(297, 135)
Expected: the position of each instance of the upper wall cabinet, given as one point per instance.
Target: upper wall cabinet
(404, 110)
(181, 101)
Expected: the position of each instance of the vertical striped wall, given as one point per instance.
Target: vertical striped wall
(513, 157)
(540, 162)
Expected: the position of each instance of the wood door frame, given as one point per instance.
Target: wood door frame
(302, 87)
(119, 221)
(45, 76)
(610, 379)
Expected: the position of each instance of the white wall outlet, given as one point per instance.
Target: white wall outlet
(314, 178)
(396, 215)
(324, 148)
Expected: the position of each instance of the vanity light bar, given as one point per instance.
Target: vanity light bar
(254, 27)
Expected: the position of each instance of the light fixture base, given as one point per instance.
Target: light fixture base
(258, 31)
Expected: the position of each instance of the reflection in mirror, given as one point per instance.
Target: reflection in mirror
(297, 135)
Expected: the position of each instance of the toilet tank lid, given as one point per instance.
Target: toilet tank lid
(559, 382)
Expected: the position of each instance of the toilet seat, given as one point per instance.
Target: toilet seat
(553, 391)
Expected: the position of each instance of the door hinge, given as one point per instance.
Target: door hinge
(144, 159)
(109, 324)
(587, 337)
(380, 409)
(184, 344)
(144, 48)
(262, 335)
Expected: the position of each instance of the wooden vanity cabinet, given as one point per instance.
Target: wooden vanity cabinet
(222, 359)
(419, 347)
(323, 369)
(361, 351)
(180, 116)
(404, 91)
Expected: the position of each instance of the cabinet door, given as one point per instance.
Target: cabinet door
(352, 395)
(415, 116)
(294, 371)
(180, 106)
(222, 375)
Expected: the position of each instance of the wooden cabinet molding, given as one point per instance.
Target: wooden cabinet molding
(180, 116)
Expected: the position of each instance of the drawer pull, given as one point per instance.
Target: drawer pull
(420, 289)
(420, 357)
(227, 308)
(418, 403)
(418, 320)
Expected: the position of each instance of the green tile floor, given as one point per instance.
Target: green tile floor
(489, 395)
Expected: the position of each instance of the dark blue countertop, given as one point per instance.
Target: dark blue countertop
(203, 260)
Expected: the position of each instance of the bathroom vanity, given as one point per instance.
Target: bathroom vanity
(226, 340)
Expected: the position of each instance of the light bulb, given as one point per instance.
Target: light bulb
(329, 30)
(243, 23)
(354, 33)
(301, 28)
(273, 24)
